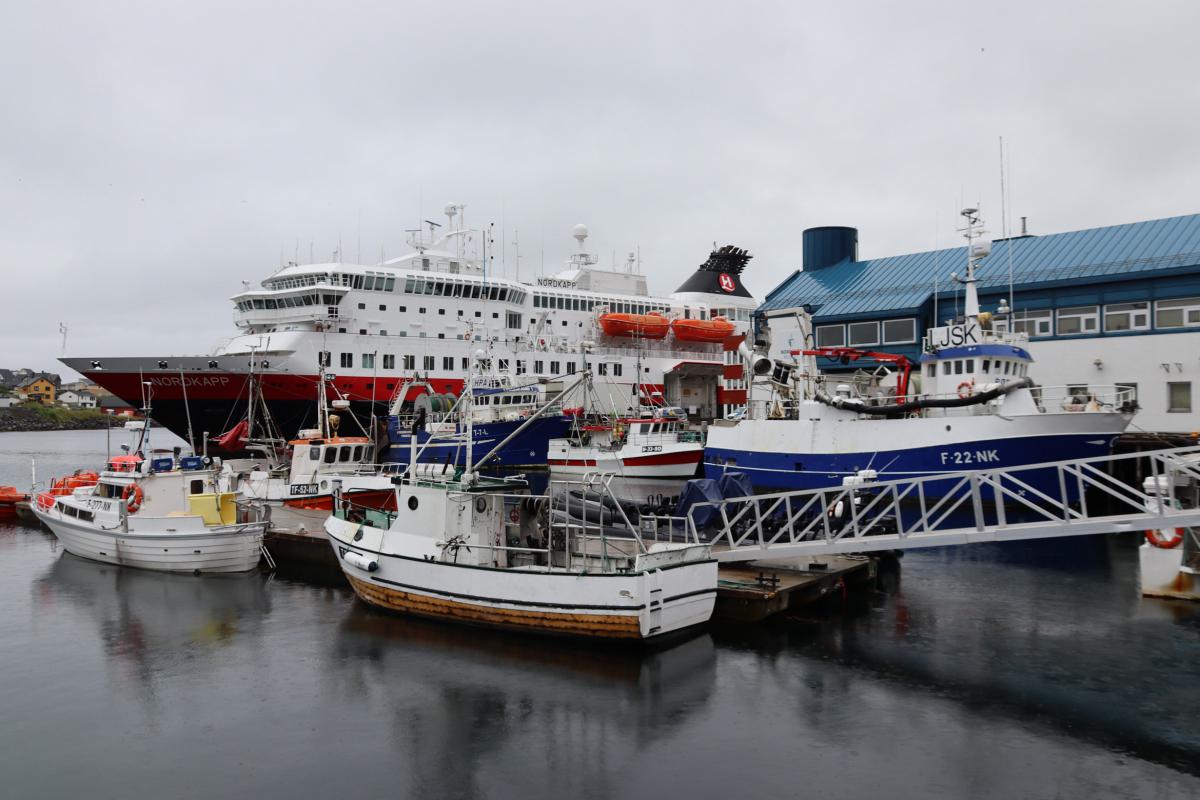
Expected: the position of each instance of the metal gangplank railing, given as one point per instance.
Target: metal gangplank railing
(1042, 501)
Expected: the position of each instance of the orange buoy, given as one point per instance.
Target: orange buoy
(1164, 539)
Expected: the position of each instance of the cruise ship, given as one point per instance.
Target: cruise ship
(374, 331)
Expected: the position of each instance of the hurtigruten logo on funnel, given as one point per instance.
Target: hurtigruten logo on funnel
(719, 274)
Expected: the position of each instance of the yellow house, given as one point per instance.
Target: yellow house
(37, 388)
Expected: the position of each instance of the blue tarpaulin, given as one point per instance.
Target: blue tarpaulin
(699, 490)
(735, 484)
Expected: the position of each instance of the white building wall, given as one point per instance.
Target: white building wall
(1149, 360)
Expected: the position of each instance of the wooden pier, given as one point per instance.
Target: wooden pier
(752, 591)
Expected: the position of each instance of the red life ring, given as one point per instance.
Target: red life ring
(514, 515)
(968, 386)
(133, 497)
(1159, 538)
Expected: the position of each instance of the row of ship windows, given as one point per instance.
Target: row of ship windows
(988, 366)
(409, 362)
(566, 303)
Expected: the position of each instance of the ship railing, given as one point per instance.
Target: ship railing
(1072, 497)
(1075, 397)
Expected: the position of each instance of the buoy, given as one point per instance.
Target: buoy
(1160, 538)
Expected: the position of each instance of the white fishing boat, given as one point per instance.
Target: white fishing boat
(483, 551)
(302, 474)
(164, 513)
(654, 444)
(158, 514)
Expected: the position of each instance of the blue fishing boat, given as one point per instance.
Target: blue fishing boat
(969, 403)
(499, 407)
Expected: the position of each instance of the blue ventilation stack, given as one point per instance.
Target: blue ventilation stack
(824, 247)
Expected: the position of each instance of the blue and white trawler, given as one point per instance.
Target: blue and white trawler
(971, 401)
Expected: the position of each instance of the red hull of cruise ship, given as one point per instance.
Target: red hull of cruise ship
(216, 401)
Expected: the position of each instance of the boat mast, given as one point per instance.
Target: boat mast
(976, 250)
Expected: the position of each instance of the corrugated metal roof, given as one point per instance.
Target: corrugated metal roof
(902, 284)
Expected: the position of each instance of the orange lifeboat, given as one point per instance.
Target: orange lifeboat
(9, 497)
(717, 329)
(642, 326)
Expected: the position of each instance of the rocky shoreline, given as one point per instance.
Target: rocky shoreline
(29, 419)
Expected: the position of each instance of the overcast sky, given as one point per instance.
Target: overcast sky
(154, 155)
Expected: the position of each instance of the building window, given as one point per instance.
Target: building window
(539, 367)
(1034, 323)
(617, 370)
(1127, 317)
(368, 361)
(389, 361)
(448, 363)
(603, 368)
(429, 361)
(1183, 313)
(1127, 393)
(410, 362)
(1179, 397)
(402, 309)
(831, 336)
(863, 333)
(899, 331)
(512, 320)
(1078, 320)
(442, 311)
(325, 358)
(362, 306)
(504, 365)
(466, 363)
(347, 359)
(554, 367)
(520, 367)
(382, 307)
(570, 367)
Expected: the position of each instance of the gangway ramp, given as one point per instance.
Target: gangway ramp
(1043, 501)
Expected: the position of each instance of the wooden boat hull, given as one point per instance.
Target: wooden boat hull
(630, 606)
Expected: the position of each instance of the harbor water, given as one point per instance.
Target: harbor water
(1031, 670)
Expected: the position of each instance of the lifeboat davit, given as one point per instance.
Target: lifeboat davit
(717, 329)
(642, 326)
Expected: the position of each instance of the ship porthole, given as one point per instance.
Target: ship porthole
(412, 503)
(481, 504)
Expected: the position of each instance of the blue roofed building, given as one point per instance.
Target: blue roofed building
(1118, 305)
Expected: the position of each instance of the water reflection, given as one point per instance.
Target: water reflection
(1094, 662)
(151, 623)
(465, 703)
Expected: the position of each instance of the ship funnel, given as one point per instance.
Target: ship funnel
(824, 247)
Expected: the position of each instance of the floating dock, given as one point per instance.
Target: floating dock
(752, 591)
